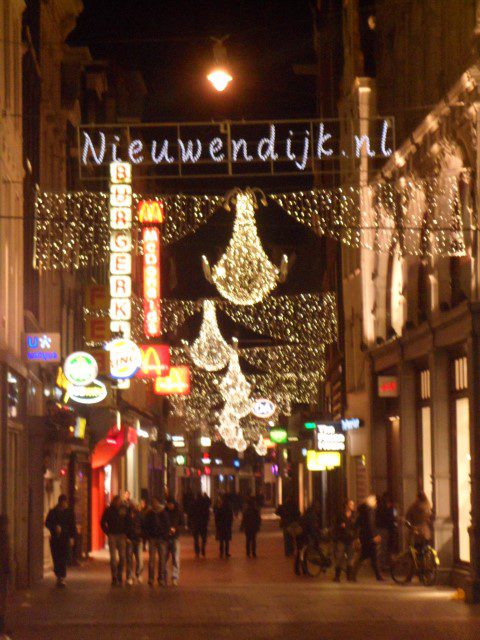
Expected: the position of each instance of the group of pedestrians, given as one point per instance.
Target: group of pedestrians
(369, 533)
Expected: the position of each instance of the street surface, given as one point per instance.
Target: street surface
(239, 598)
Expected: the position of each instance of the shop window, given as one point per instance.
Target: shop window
(461, 379)
(14, 395)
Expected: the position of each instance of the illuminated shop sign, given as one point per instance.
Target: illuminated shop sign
(387, 386)
(323, 460)
(263, 408)
(279, 436)
(80, 368)
(151, 282)
(125, 358)
(92, 393)
(43, 347)
(155, 361)
(350, 424)
(176, 383)
(328, 439)
(150, 211)
(120, 202)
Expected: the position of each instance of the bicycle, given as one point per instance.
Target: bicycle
(315, 557)
(422, 562)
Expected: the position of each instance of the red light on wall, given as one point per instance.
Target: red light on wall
(155, 361)
(176, 383)
(150, 211)
(151, 281)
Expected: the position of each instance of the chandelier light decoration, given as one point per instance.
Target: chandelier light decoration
(261, 447)
(210, 351)
(244, 275)
(235, 388)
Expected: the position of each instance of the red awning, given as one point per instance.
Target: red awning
(115, 443)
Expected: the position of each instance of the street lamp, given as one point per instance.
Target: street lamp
(219, 77)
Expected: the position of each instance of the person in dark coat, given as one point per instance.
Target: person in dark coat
(223, 524)
(344, 535)
(289, 514)
(135, 535)
(61, 524)
(309, 528)
(114, 524)
(420, 516)
(156, 527)
(175, 525)
(387, 529)
(369, 537)
(251, 523)
(199, 517)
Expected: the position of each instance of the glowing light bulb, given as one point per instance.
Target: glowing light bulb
(220, 79)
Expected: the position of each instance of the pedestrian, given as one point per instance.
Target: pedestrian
(143, 507)
(61, 524)
(369, 537)
(223, 524)
(251, 522)
(289, 514)
(4, 571)
(175, 525)
(156, 529)
(344, 536)
(387, 529)
(420, 516)
(135, 535)
(199, 517)
(114, 524)
(187, 501)
(127, 497)
(305, 531)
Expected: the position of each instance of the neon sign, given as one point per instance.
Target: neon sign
(125, 358)
(263, 408)
(150, 211)
(387, 386)
(176, 383)
(328, 439)
(80, 368)
(120, 247)
(151, 281)
(155, 361)
(323, 460)
(92, 393)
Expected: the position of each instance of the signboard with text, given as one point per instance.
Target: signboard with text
(42, 347)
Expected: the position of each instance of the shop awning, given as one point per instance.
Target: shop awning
(115, 443)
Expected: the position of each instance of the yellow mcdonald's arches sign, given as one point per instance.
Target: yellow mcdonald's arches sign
(150, 211)
(155, 361)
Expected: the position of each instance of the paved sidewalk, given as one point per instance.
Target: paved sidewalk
(238, 598)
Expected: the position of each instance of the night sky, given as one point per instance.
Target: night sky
(168, 41)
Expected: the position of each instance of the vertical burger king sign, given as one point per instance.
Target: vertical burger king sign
(150, 215)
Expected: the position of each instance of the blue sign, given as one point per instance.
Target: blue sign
(43, 347)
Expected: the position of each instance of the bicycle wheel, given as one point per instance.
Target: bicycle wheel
(402, 568)
(313, 561)
(428, 570)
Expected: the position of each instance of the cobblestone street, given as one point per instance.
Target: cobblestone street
(239, 598)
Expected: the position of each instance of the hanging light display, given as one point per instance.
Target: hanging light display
(244, 275)
(261, 446)
(235, 388)
(210, 351)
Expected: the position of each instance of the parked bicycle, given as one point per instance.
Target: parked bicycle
(316, 556)
(421, 560)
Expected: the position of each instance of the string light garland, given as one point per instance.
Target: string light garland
(72, 229)
(244, 274)
(210, 351)
(235, 388)
(261, 447)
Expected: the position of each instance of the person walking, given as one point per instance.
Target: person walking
(369, 537)
(306, 531)
(114, 524)
(223, 525)
(251, 522)
(387, 529)
(175, 524)
(199, 517)
(420, 516)
(344, 536)
(135, 536)
(61, 524)
(289, 514)
(156, 528)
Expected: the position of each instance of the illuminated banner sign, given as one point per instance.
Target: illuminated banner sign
(387, 387)
(323, 460)
(151, 281)
(155, 361)
(150, 211)
(120, 248)
(235, 148)
(43, 347)
(176, 383)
